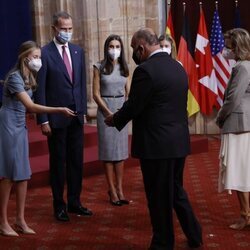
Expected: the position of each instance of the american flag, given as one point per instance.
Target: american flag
(221, 65)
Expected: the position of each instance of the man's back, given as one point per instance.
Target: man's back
(159, 99)
(157, 105)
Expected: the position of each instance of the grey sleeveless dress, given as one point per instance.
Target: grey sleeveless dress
(112, 144)
(14, 151)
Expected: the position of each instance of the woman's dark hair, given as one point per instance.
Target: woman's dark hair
(58, 15)
(107, 64)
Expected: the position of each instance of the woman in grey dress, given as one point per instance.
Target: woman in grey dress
(110, 89)
(14, 158)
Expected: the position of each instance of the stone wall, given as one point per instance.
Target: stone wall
(94, 20)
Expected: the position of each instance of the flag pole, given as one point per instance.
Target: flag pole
(237, 21)
(200, 3)
(216, 5)
(204, 117)
(184, 7)
(168, 9)
(169, 5)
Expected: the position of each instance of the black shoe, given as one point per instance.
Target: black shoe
(124, 202)
(80, 211)
(114, 203)
(194, 244)
(61, 215)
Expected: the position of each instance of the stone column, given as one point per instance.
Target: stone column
(122, 17)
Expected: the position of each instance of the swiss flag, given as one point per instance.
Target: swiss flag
(208, 90)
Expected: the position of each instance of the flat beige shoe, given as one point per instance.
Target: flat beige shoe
(27, 230)
(238, 225)
(8, 233)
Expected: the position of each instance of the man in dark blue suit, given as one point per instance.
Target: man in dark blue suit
(62, 82)
(157, 106)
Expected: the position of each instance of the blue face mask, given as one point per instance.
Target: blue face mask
(64, 37)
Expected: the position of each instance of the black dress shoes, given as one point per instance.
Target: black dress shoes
(80, 210)
(61, 215)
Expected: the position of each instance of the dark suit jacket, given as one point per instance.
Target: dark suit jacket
(157, 105)
(55, 88)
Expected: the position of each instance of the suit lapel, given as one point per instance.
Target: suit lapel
(74, 59)
(56, 57)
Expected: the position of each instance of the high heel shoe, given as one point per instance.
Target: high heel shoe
(8, 233)
(20, 229)
(114, 203)
(243, 222)
(123, 201)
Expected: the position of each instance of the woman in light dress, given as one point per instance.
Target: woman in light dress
(14, 155)
(234, 120)
(110, 90)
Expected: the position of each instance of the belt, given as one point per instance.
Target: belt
(112, 96)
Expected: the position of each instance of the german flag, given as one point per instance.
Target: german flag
(185, 52)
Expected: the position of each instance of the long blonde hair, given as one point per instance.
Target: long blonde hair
(172, 42)
(24, 50)
(240, 42)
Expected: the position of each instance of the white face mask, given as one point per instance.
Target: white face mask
(168, 50)
(35, 64)
(228, 53)
(114, 53)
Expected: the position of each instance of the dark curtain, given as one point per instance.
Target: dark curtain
(16, 27)
(227, 13)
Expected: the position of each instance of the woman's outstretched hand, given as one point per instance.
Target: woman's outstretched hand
(68, 112)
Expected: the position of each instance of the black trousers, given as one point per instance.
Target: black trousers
(66, 159)
(163, 182)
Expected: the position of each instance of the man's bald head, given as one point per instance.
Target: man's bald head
(144, 42)
(146, 35)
